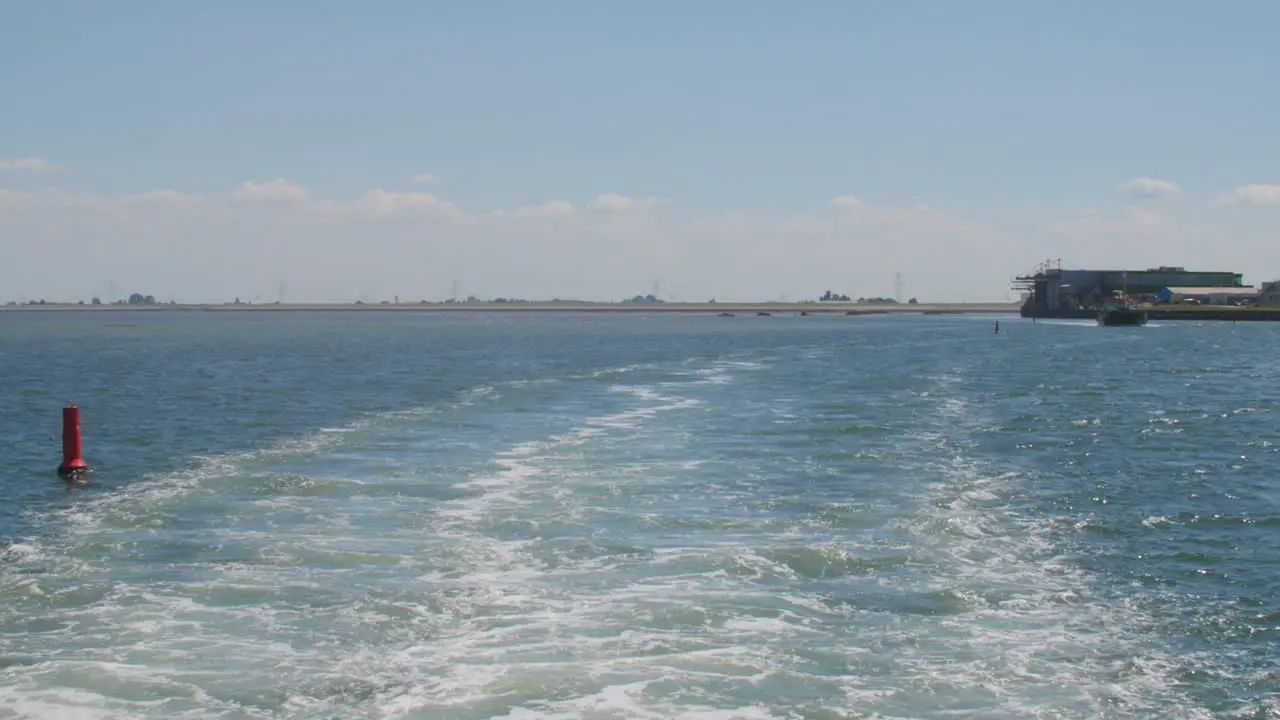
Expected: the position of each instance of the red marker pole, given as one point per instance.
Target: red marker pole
(73, 465)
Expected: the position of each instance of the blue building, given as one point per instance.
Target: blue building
(1052, 291)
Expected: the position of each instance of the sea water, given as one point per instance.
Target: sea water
(506, 515)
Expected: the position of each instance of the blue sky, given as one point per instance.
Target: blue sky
(1013, 120)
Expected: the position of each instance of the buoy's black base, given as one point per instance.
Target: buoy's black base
(72, 474)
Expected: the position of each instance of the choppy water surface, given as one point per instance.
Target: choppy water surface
(504, 516)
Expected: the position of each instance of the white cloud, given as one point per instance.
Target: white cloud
(159, 196)
(1148, 187)
(844, 201)
(384, 201)
(425, 178)
(278, 190)
(555, 208)
(382, 243)
(27, 164)
(9, 198)
(1255, 194)
(613, 202)
(1133, 220)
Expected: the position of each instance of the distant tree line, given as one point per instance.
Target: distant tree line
(134, 299)
(829, 296)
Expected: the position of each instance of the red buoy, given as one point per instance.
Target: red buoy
(73, 465)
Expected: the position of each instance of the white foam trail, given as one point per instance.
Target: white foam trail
(1032, 631)
(513, 621)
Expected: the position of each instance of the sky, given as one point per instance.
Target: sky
(314, 150)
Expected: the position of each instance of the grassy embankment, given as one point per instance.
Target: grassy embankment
(1213, 312)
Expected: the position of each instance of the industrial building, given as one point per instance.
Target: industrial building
(1243, 295)
(1269, 294)
(1051, 291)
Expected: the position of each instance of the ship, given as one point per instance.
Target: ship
(1120, 310)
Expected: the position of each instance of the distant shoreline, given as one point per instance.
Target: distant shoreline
(824, 308)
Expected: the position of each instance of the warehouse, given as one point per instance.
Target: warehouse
(1049, 290)
(1208, 295)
